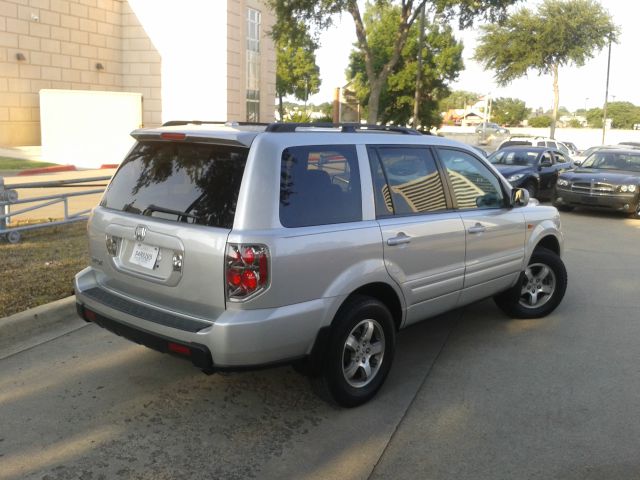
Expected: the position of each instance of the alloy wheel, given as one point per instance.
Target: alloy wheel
(538, 286)
(363, 353)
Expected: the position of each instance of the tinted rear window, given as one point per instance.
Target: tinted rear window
(183, 182)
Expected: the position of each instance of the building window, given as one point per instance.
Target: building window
(253, 65)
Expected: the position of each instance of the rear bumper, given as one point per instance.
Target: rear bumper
(620, 202)
(237, 339)
(199, 355)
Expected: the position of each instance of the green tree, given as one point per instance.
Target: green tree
(441, 63)
(559, 33)
(594, 117)
(623, 114)
(509, 111)
(319, 13)
(458, 99)
(541, 121)
(297, 73)
(575, 123)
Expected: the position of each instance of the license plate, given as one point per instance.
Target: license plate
(144, 255)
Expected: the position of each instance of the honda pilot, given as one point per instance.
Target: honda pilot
(243, 246)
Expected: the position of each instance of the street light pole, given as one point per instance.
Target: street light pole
(606, 96)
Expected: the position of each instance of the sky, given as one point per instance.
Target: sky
(579, 87)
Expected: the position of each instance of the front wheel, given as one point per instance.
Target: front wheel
(530, 186)
(636, 214)
(359, 352)
(540, 288)
(564, 208)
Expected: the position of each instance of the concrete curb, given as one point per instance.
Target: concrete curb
(29, 328)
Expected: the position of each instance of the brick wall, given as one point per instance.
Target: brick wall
(62, 42)
(236, 60)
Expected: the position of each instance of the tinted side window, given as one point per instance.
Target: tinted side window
(179, 181)
(474, 185)
(410, 183)
(319, 185)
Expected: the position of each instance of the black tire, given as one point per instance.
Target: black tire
(532, 188)
(333, 384)
(565, 208)
(514, 301)
(635, 215)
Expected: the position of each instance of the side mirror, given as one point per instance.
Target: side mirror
(520, 197)
(545, 163)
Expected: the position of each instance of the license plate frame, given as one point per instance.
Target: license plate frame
(144, 255)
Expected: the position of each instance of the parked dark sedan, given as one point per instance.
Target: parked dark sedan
(533, 168)
(608, 179)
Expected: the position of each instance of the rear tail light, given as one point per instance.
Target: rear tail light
(246, 271)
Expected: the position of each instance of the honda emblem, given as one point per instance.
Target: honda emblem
(141, 232)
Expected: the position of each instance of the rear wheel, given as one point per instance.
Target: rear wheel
(359, 354)
(540, 288)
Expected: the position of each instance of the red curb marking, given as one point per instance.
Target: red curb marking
(54, 169)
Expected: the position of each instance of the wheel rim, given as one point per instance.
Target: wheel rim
(363, 353)
(538, 286)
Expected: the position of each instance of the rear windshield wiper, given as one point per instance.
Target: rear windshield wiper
(154, 208)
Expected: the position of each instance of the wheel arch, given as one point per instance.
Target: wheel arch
(381, 291)
(550, 242)
(384, 293)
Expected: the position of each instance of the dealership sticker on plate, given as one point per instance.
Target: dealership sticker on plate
(144, 255)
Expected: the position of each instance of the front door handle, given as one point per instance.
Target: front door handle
(477, 228)
(401, 239)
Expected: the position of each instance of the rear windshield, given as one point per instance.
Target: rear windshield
(181, 182)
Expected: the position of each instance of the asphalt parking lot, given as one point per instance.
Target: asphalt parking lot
(472, 395)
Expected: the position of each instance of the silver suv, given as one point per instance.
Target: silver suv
(240, 246)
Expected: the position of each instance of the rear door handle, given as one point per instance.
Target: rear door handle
(477, 228)
(401, 239)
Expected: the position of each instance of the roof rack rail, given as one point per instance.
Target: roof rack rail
(291, 127)
(344, 127)
(229, 123)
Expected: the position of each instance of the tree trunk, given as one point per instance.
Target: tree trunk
(556, 102)
(416, 98)
(377, 81)
(281, 108)
(374, 101)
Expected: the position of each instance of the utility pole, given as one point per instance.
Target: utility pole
(336, 106)
(416, 100)
(606, 96)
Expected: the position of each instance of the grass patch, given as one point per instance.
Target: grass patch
(40, 269)
(18, 164)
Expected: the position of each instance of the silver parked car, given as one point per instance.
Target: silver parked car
(240, 246)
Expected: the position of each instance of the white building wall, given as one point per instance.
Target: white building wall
(191, 38)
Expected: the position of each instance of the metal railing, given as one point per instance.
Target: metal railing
(9, 197)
